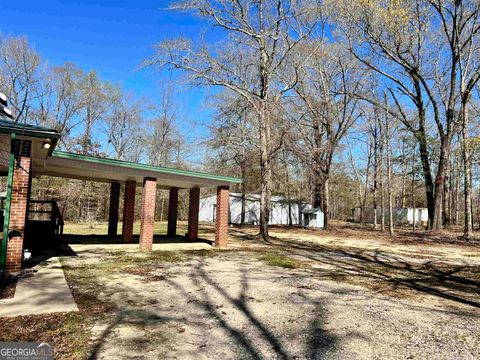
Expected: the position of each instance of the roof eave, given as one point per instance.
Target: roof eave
(157, 169)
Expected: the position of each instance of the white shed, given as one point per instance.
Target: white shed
(400, 215)
(313, 218)
(281, 210)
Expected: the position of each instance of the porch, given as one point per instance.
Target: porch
(28, 152)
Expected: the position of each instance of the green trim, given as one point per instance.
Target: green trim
(8, 203)
(10, 127)
(137, 166)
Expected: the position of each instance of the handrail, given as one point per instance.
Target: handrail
(56, 217)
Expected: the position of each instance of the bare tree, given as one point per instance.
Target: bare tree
(362, 180)
(60, 99)
(396, 41)
(374, 128)
(164, 141)
(260, 36)
(233, 140)
(19, 67)
(123, 126)
(388, 148)
(324, 111)
(97, 97)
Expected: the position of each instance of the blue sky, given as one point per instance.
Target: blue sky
(111, 37)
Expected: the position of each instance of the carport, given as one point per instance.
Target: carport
(27, 151)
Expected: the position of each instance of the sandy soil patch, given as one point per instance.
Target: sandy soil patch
(232, 305)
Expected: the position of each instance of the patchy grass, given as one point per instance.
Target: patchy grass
(206, 252)
(166, 256)
(68, 331)
(347, 262)
(274, 259)
(401, 279)
(122, 261)
(146, 274)
(71, 332)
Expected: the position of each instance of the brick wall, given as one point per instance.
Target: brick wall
(148, 213)
(128, 211)
(193, 209)
(172, 212)
(221, 218)
(19, 206)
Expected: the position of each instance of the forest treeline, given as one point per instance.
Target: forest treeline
(342, 103)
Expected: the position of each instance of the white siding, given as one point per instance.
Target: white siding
(278, 212)
(207, 208)
(400, 215)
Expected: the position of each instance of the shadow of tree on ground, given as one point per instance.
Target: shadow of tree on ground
(253, 340)
(384, 272)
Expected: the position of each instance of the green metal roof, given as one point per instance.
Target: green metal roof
(138, 166)
(8, 126)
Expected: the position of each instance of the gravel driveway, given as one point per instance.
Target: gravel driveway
(332, 305)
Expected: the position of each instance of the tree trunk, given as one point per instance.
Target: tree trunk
(289, 198)
(457, 192)
(446, 195)
(413, 195)
(325, 205)
(427, 175)
(471, 201)
(451, 191)
(265, 172)
(375, 178)
(375, 220)
(317, 190)
(382, 178)
(404, 176)
(467, 179)
(389, 176)
(242, 214)
(440, 183)
(382, 205)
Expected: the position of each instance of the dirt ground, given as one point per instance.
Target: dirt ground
(343, 294)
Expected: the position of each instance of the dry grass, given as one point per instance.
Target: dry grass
(71, 332)
(280, 260)
(341, 257)
(8, 285)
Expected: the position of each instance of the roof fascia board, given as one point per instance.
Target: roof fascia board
(144, 167)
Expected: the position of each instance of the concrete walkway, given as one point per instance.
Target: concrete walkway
(44, 291)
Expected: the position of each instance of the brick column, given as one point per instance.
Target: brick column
(128, 211)
(113, 213)
(148, 213)
(221, 218)
(193, 210)
(22, 150)
(172, 212)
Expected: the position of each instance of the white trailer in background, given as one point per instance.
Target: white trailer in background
(401, 216)
(282, 212)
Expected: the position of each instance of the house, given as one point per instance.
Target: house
(28, 151)
(282, 211)
(401, 216)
